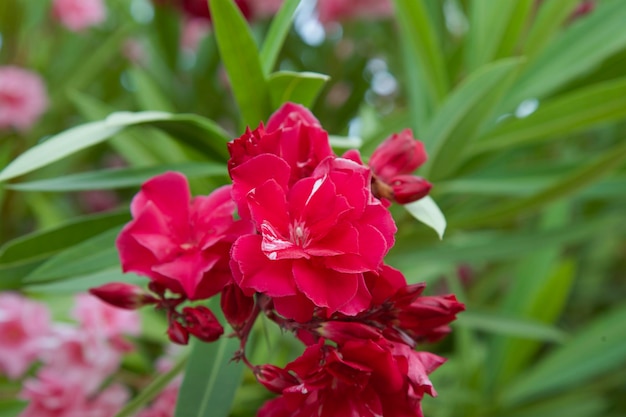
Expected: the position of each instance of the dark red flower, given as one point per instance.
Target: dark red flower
(202, 323)
(123, 295)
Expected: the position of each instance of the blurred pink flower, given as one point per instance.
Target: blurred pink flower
(109, 321)
(51, 395)
(77, 15)
(23, 98)
(79, 355)
(265, 8)
(23, 326)
(195, 29)
(340, 10)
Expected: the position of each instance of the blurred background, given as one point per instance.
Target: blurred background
(521, 105)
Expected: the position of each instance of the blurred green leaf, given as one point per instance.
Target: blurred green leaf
(428, 212)
(568, 113)
(549, 19)
(150, 392)
(119, 177)
(580, 48)
(276, 35)
(298, 87)
(571, 183)
(191, 129)
(241, 59)
(497, 323)
(94, 254)
(83, 283)
(488, 21)
(426, 53)
(466, 109)
(147, 93)
(571, 405)
(211, 380)
(516, 27)
(596, 349)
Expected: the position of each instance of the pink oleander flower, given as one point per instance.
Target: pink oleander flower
(265, 8)
(179, 242)
(194, 31)
(98, 316)
(24, 325)
(80, 355)
(316, 239)
(122, 295)
(23, 98)
(392, 164)
(361, 377)
(340, 10)
(200, 8)
(77, 15)
(293, 134)
(50, 395)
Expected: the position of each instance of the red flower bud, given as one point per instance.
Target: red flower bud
(409, 188)
(122, 295)
(202, 323)
(399, 154)
(236, 306)
(177, 333)
(341, 332)
(274, 378)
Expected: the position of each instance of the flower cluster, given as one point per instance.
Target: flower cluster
(300, 236)
(23, 98)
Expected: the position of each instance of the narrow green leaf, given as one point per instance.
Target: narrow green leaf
(426, 211)
(345, 142)
(488, 20)
(194, 130)
(549, 19)
(297, 87)
(581, 48)
(598, 348)
(119, 178)
(83, 283)
(518, 22)
(426, 51)
(276, 35)
(210, 380)
(45, 243)
(493, 322)
(570, 184)
(147, 93)
(576, 404)
(569, 113)
(460, 118)
(241, 60)
(92, 255)
(152, 390)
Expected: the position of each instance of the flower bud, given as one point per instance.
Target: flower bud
(274, 378)
(177, 333)
(399, 154)
(236, 306)
(122, 295)
(341, 332)
(202, 323)
(409, 188)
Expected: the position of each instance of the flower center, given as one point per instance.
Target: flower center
(299, 234)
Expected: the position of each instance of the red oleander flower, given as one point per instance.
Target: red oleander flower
(181, 243)
(361, 377)
(316, 239)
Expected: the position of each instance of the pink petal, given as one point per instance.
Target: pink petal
(188, 269)
(324, 287)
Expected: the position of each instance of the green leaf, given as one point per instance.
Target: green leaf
(598, 348)
(276, 35)
(493, 322)
(426, 53)
(147, 93)
(565, 114)
(92, 255)
(426, 211)
(43, 244)
(570, 184)
(549, 19)
(211, 380)
(580, 49)
(577, 404)
(194, 130)
(241, 60)
(298, 87)
(150, 392)
(119, 178)
(488, 21)
(460, 118)
(83, 283)
(345, 142)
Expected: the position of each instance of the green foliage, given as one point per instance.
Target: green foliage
(522, 109)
